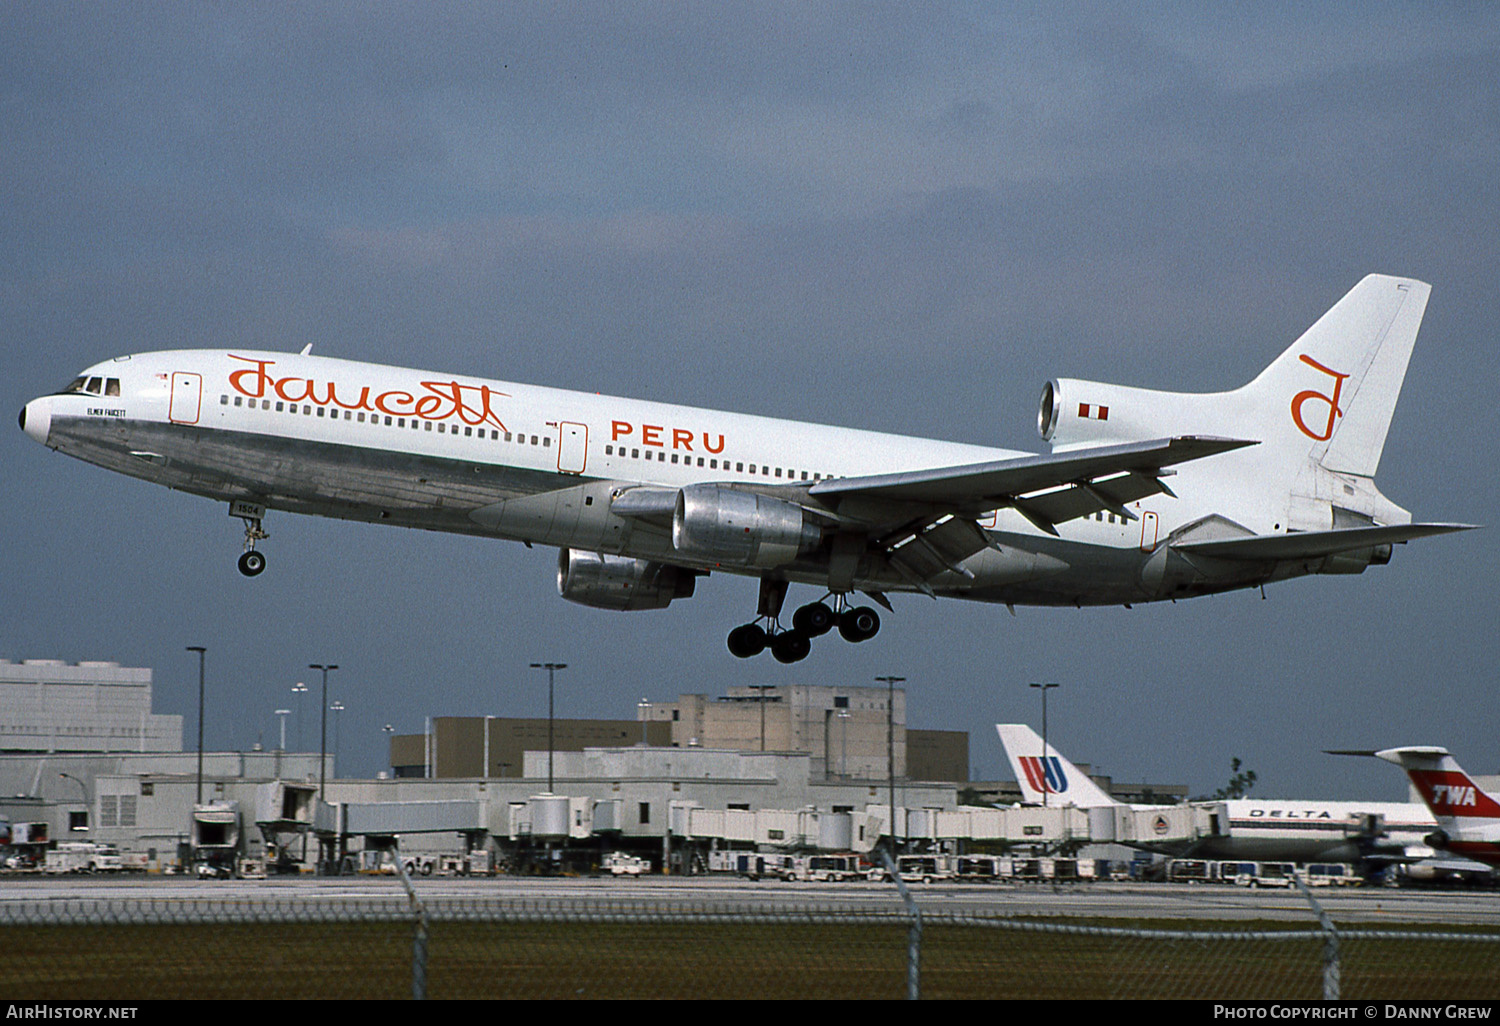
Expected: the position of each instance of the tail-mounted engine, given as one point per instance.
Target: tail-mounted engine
(620, 583)
(1075, 412)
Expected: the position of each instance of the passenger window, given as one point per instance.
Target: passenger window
(320, 411)
(740, 467)
(278, 407)
(674, 457)
(547, 441)
(752, 468)
(239, 400)
(361, 418)
(700, 461)
(713, 464)
(429, 424)
(778, 471)
(635, 454)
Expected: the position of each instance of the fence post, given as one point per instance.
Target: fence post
(913, 933)
(419, 935)
(1330, 942)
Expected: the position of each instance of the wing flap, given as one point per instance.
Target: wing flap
(980, 487)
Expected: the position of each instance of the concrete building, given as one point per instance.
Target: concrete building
(488, 747)
(843, 730)
(47, 705)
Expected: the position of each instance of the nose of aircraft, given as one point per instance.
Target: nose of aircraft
(36, 419)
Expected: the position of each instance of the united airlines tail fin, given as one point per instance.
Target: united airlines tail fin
(1046, 773)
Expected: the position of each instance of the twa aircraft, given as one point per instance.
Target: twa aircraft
(1242, 828)
(1270, 481)
(1468, 816)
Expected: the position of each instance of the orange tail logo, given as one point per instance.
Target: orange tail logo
(1332, 400)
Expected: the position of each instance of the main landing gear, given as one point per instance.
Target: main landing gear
(810, 621)
(251, 562)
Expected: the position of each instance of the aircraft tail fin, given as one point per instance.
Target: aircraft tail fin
(1449, 792)
(1046, 773)
(1328, 397)
(1336, 387)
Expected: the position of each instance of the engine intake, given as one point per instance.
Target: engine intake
(724, 525)
(620, 583)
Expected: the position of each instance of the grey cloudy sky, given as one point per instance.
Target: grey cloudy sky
(898, 217)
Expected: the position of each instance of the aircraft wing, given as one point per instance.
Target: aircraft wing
(1313, 544)
(1047, 489)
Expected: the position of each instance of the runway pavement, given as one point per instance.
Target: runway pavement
(1165, 902)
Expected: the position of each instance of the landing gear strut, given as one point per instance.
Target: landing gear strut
(810, 621)
(251, 562)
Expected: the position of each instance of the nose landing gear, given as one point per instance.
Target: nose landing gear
(251, 562)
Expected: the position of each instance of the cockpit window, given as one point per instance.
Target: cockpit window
(111, 386)
(76, 386)
(94, 385)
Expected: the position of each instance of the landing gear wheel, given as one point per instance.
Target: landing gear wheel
(859, 624)
(749, 640)
(252, 563)
(814, 619)
(790, 646)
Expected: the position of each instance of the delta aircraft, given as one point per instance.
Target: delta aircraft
(1270, 481)
(1372, 833)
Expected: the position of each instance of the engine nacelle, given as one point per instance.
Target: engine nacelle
(1074, 412)
(724, 525)
(620, 583)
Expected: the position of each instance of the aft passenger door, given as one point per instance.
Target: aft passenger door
(187, 398)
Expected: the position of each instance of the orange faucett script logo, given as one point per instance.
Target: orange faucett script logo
(440, 400)
(1334, 413)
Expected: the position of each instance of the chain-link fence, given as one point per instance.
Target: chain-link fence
(480, 947)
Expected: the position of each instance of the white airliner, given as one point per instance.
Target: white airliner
(1373, 833)
(1270, 481)
(1467, 816)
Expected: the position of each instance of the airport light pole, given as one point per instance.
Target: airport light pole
(642, 708)
(762, 689)
(890, 748)
(551, 669)
(323, 742)
(299, 689)
(201, 651)
(843, 715)
(390, 731)
(336, 708)
(1044, 688)
(283, 714)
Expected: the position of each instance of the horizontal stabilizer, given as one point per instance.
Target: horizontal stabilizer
(1313, 544)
